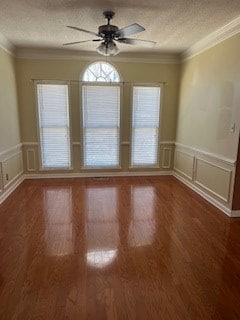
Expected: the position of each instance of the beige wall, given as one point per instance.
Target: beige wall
(73, 69)
(9, 123)
(209, 99)
(209, 105)
(10, 149)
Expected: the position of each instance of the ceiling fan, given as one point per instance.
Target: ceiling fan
(108, 34)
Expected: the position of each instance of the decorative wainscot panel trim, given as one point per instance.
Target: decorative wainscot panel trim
(212, 157)
(221, 206)
(167, 157)
(31, 160)
(12, 168)
(213, 178)
(184, 163)
(206, 174)
(11, 171)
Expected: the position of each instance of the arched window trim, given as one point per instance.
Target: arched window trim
(109, 65)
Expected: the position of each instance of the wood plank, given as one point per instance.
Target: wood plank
(116, 248)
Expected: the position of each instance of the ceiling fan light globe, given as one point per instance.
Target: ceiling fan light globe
(102, 49)
(113, 49)
(115, 52)
(109, 49)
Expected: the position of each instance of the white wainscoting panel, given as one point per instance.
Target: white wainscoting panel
(12, 168)
(31, 159)
(184, 163)
(213, 178)
(167, 157)
(206, 173)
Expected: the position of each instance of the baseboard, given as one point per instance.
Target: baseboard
(205, 195)
(11, 188)
(16, 178)
(235, 214)
(96, 174)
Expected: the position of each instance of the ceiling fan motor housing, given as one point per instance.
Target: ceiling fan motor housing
(107, 31)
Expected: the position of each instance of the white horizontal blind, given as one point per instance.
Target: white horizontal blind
(145, 126)
(101, 120)
(53, 111)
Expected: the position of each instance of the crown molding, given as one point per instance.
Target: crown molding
(7, 45)
(61, 54)
(212, 39)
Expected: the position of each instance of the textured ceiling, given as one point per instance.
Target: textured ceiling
(174, 24)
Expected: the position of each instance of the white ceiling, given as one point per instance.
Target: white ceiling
(174, 24)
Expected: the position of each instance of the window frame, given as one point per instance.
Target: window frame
(157, 165)
(99, 84)
(40, 158)
(96, 62)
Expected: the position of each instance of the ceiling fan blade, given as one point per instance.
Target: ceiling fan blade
(143, 43)
(69, 43)
(127, 31)
(83, 30)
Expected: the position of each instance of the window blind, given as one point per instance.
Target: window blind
(145, 126)
(101, 119)
(53, 111)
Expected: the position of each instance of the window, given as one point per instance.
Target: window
(145, 126)
(101, 117)
(101, 72)
(101, 113)
(53, 116)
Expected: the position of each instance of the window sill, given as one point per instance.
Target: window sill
(56, 169)
(144, 167)
(100, 168)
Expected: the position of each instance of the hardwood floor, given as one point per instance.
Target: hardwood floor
(119, 248)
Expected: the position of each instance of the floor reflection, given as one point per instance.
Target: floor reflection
(101, 258)
(102, 225)
(142, 226)
(58, 214)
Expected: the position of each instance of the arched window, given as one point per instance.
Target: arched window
(101, 72)
(101, 116)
